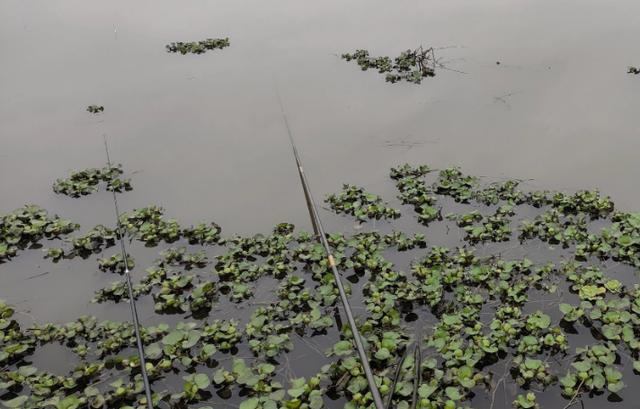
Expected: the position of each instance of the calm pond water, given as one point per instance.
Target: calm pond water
(536, 90)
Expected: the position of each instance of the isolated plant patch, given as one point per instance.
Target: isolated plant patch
(634, 70)
(527, 304)
(198, 47)
(410, 65)
(86, 181)
(95, 109)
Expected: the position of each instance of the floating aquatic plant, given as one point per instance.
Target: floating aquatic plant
(527, 401)
(481, 228)
(95, 109)
(633, 70)
(485, 323)
(198, 47)
(411, 65)
(355, 201)
(116, 263)
(27, 226)
(84, 182)
(203, 234)
(414, 191)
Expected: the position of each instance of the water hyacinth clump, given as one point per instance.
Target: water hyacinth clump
(355, 201)
(27, 226)
(411, 65)
(86, 181)
(198, 47)
(522, 298)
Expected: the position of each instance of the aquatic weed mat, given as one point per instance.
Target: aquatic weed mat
(516, 298)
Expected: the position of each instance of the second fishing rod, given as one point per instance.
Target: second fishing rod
(132, 301)
(320, 233)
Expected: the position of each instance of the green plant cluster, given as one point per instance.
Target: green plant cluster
(27, 226)
(481, 228)
(414, 191)
(633, 70)
(116, 263)
(355, 201)
(86, 181)
(198, 47)
(564, 326)
(411, 65)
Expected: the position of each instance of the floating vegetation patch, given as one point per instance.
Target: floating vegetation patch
(28, 225)
(198, 47)
(95, 109)
(481, 228)
(634, 70)
(410, 65)
(86, 181)
(528, 303)
(355, 201)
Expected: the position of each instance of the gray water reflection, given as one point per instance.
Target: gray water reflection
(205, 132)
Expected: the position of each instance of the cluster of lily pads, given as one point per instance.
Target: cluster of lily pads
(84, 182)
(477, 314)
(411, 65)
(198, 47)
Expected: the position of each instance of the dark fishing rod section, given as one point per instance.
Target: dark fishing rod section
(132, 302)
(319, 230)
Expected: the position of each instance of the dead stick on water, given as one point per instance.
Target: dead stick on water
(493, 395)
(574, 395)
(38, 275)
(501, 380)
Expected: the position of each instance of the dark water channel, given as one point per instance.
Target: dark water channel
(536, 90)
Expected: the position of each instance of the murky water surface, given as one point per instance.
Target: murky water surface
(536, 90)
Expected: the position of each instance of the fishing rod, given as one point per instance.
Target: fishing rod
(319, 230)
(132, 302)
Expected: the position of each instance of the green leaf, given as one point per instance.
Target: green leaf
(342, 348)
(208, 350)
(251, 403)
(565, 308)
(426, 390)
(70, 402)
(383, 354)
(192, 338)
(532, 363)
(266, 368)
(315, 400)
(173, 337)
(153, 351)
(27, 371)
(297, 388)
(582, 366)
(615, 387)
(202, 381)
(453, 393)
(611, 331)
(16, 402)
(625, 240)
